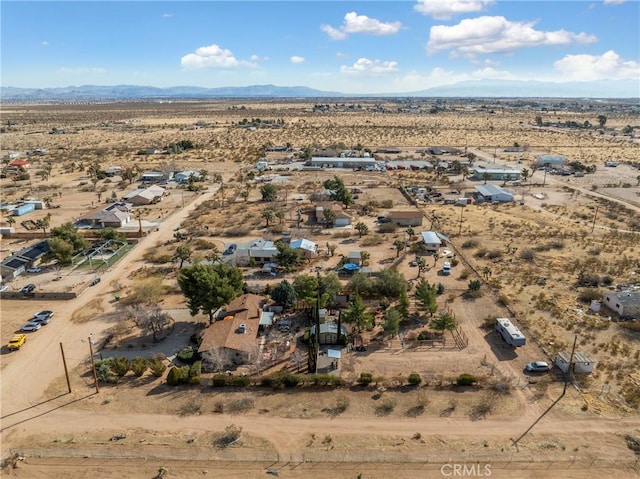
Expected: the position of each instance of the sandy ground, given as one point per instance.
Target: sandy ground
(69, 435)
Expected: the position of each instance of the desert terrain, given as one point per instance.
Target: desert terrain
(529, 255)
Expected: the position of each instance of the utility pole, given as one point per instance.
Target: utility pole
(93, 365)
(66, 371)
(595, 215)
(317, 338)
(460, 228)
(566, 379)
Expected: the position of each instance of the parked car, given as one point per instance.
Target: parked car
(3, 288)
(30, 288)
(230, 249)
(94, 281)
(42, 317)
(16, 342)
(34, 269)
(538, 367)
(30, 326)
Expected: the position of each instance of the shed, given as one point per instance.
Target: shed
(582, 363)
(328, 333)
(407, 218)
(625, 303)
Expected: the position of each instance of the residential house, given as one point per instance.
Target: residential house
(307, 247)
(145, 196)
(496, 174)
(153, 176)
(406, 218)
(341, 162)
(185, 176)
(431, 241)
(491, 193)
(116, 215)
(17, 263)
(625, 303)
(259, 251)
(18, 163)
(340, 217)
(581, 363)
(233, 340)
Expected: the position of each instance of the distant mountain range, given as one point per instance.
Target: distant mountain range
(468, 89)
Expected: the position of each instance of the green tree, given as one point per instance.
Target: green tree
(268, 215)
(330, 286)
(426, 297)
(525, 174)
(306, 287)
(365, 256)
(443, 322)
(338, 191)
(357, 314)
(329, 216)
(61, 250)
(71, 235)
(360, 284)
(95, 173)
(288, 257)
(284, 294)
(208, 287)
(399, 245)
(423, 267)
(403, 304)
(602, 120)
(391, 324)
(269, 192)
(390, 283)
(361, 228)
(411, 232)
(43, 223)
(183, 253)
(112, 234)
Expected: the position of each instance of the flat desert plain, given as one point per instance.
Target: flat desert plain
(540, 260)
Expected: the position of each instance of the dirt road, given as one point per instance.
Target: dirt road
(27, 373)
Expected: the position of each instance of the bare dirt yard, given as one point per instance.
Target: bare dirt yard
(540, 261)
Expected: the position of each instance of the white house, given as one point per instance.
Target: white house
(491, 192)
(581, 363)
(308, 248)
(185, 176)
(625, 303)
(430, 241)
(260, 250)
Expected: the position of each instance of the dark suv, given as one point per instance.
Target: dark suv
(28, 289)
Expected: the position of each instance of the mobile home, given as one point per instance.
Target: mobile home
(510, 333)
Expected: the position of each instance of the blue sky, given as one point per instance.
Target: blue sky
(349, 47)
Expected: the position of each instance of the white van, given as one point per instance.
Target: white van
(446, 268)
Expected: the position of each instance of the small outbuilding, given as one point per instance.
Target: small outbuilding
(431, 241)
(407, 218)
(625, 303)
(550, 160)
(581, 363)
(491, 193)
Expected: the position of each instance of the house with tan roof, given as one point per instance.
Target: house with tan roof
(233, 340)
(340, 217)
(407, 218)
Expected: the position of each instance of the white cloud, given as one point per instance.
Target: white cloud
(445, 9)
(342, 55)
(484, 35)
(167, 15)
(614, 2)
(370, 67)
(354, 23)
(296, 59)
(44, 43)
(257, 58)
(213, 56)
(608, 66)
(333, 33)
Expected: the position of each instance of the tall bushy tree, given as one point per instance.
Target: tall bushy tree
(284, 294)
(207, 287)
(426, 296)
(358, 314)
(338, 191)
(391, 324)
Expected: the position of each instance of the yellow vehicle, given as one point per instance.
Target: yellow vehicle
(16, 341)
